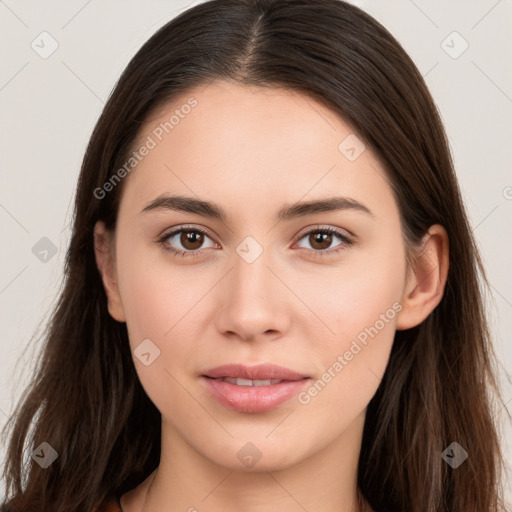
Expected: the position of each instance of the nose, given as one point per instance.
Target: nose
(253, 302)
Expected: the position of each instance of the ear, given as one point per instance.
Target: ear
(104, 251)
(426, 279)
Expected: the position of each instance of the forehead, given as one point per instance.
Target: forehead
(235, 113)
(240, 142)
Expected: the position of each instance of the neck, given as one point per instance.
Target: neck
(326, 480)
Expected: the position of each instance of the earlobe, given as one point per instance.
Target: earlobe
(104, 253)
(426, 280)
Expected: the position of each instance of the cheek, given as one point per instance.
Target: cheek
(358, 303)
(156, 302)
(355, 293)
(154, 294)
(161, 303)
(146, 302)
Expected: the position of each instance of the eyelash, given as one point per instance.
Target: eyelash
(347, 242)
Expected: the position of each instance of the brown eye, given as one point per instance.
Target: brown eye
(186, 241)
(320, 241)
(191, 240)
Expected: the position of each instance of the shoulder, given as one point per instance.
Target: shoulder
(109, 505)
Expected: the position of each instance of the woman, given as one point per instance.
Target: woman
(272, 292)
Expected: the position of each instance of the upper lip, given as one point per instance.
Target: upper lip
(257, 372)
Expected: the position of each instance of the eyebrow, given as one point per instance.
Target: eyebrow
(214, 211)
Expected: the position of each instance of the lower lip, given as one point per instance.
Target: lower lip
(253, 398)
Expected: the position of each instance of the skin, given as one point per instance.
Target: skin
(252, 151)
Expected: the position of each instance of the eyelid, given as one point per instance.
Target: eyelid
(327, 227)
(185, 227)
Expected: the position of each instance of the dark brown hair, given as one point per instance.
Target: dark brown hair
(85, 398)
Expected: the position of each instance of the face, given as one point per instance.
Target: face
(317, 291)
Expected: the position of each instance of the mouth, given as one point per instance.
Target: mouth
(253, 389)
(248, 382)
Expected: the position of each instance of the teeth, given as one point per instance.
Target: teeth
(261, 382)
(243, 382)
(249, 382)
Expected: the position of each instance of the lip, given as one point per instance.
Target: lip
(253, 398)
(256, 372)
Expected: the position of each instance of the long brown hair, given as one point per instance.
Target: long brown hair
(85, 399)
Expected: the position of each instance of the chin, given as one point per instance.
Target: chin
(255, 457)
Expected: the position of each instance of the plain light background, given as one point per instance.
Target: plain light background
(48, 108)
